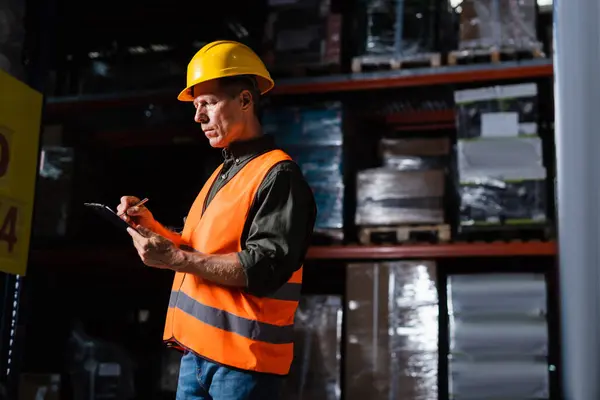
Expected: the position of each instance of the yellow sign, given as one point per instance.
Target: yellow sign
(20, 118)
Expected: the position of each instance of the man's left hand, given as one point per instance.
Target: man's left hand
(154, 250)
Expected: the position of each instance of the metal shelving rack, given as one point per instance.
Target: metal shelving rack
(10, 343)
(10, 335)
(39, 27)
(537, 68)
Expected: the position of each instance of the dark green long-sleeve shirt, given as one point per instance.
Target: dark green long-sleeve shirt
(280, 223)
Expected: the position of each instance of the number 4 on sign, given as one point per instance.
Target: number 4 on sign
(8, 230)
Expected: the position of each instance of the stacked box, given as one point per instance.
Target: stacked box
(302, 33)
(99, 369)
(392, 331)
(313, 138)
(498, 337)
(110, 73)
(414, 154)
(391, 197)
(39, 386)
(54, 189)
(315, 372)
(318, 125)
(502, 179)
(409, 188)
(393, 27)
(492, 24)
(12, 37)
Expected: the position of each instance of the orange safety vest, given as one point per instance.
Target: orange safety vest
(228, 325)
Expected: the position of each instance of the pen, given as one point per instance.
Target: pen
(140, 203)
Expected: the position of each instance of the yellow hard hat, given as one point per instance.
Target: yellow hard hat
(221, 59)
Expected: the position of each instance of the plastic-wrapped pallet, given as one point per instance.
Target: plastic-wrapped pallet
(322, 169)
(320, 124)
(99, 369)
(12, 37)
(494, 24)
(386, 196)
(414, 154)
(315, 372)
(392, 27)
(498, 336)
(55, 187)
(498, 380)
(392, 331)
(497, 111)
(313, 138)
(302, 32)
(330, 206)
(502, 179)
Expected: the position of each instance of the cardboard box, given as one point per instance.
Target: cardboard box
(39, 387)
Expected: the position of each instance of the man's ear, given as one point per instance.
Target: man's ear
(246, 100)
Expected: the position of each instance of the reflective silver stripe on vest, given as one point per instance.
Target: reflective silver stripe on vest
(288, 292)
(173, 299)
(255, 330)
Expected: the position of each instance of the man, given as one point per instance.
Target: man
(238, 261)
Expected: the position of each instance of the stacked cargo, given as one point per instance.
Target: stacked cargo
(302, 33)
(313, 138)
(54, 186)
(392, 33)
(406, 195)
(498, 337)
(392, 331)
(502, 179)
(495, 28)
(12, 37)
(316, 370)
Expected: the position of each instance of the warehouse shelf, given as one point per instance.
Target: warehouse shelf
(421, 116)
(82, 257)
(417, 77)
(335, 83)
(450, 250)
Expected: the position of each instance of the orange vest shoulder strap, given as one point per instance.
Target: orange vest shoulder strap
(268, 161)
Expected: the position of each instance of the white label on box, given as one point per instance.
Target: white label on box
(502, 124)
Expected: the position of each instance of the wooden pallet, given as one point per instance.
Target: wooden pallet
(404, 234)
(477, 56)
(392, 62)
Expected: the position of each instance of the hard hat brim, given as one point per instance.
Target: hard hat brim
(264, 85)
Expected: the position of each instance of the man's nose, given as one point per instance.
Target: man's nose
(201, 117)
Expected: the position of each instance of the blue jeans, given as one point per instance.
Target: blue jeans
(200, 379)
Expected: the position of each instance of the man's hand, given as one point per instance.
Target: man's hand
(138, 215)
(155, 250)
(159, 252)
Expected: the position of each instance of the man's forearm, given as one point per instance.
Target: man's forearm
(174, 237)
(223, 269)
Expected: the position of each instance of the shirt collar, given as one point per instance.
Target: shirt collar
(243, 150)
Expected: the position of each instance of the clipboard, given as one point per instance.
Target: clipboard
(108, 214)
